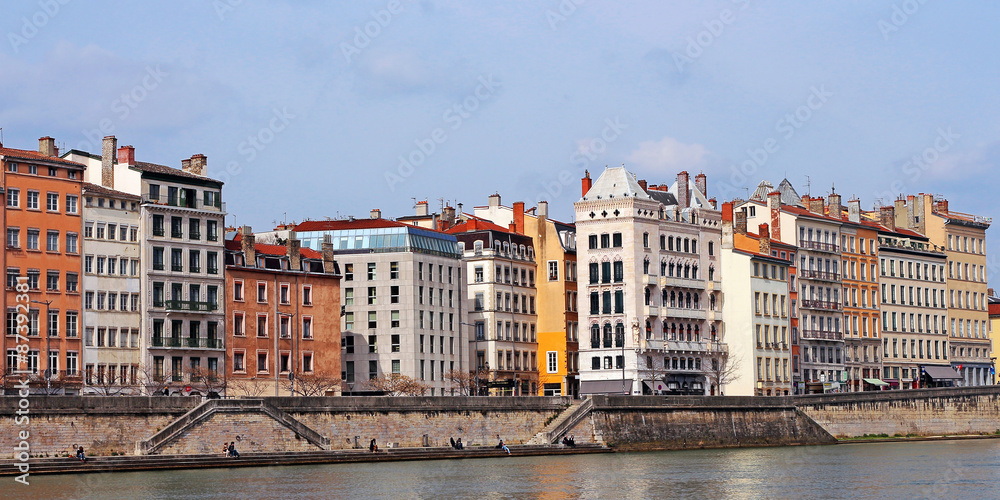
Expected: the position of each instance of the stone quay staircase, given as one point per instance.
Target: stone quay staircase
(563, 423)
(204, 411)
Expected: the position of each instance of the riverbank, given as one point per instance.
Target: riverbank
(71, 465)
(906, 439)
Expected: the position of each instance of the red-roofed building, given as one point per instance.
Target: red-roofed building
(283, 325)
(42, 260)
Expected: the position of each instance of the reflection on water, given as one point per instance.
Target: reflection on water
(956, 469)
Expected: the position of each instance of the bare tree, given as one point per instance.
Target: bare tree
(466, 382)
(654, 368)
(249, 387)
(314, 385)
(724, 369)
(396, 384)
(208, 381)
(110, 384)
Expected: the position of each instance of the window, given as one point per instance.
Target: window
(372, 319)
(32, 200)
(394, 270)
(307, 295)
(212, 230)
(262, 361)
(371, 271)
(348, 272)
(32, 243)
(307, 331)
(261, 292)
(239, 326)
(262, 325)
(13, 197)
(372, 296)
(72, 240)
(13, 237)
(551, 364)
(553, 270)
(238, 291)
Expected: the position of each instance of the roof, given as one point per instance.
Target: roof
(476, 224)
(806, 213)
(165, 170)
(334, 225)
(25, 154)
(615, 181)
(788, 194)
(235, 244)
(103, 191)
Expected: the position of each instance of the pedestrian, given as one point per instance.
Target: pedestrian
(232, 450)
(225, 449)
(373, 446)
(80, 454)
(502, 446)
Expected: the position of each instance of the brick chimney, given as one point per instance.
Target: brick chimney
(765, 239)
(47, 146)
(836, 208)
(774, 204)
(186, 164)
(714, 203)
(294, 247)
(854, 210)
(727, 224)
(701, 182)
(448, 217)
(198, 164)
(375, 214)
(126, 155)
(683, 195)
(247, 241)
(586, 183)
(108, 147)
(329, 265)
(887, 217)
(519, 217)
(642, 184)
(816, 205)
(740, 222)
(941, 206)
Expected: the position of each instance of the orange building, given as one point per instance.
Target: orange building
(42, 217)
(283, 303)
(859, 260)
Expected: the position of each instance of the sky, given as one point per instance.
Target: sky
(315, 109)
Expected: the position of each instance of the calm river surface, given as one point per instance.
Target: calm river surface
(943, 469)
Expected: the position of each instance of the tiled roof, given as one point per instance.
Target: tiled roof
(235, 244)
(333, 225)
(163, 169)
(103, 191)
(36, 156)
(477, 224)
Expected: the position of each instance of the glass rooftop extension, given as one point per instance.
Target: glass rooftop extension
(388, 239)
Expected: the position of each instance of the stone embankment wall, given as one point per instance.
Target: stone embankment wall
(657, 423)
(923, 412)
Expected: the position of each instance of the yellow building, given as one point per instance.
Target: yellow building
(963, 237)
(558, 327)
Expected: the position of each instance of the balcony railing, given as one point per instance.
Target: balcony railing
(821, 335)
(158, 266)
(176, 233)
(191, 305)
(686, 346)
(213, 270)
(195, 235)
(676, 312)
(820, 304)
(681, 282)
(158, 231)
(195, 269)
(188, 342)
(819, 275)
(820, 246)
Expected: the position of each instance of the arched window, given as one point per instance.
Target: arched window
(688, 301)
(687, 270)
(478, 247)
(595, 336)
(697, 363)
(687, 245)
(711, 248)
(607, 335)
(665, 330)
(663, 267)
(711, 273)
(665, 298)
(697, 333)
(619, 335)
(645, 266)
(714, 334)
(646, 293)
(673, 299)
(688, 335)
(712, 301)
(694, 272)
(671, 268)
(694, 245)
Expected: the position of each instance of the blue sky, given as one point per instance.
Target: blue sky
(308, 108)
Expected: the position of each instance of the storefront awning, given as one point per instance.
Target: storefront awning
(941, 373)
(611, 387)
(875, 381)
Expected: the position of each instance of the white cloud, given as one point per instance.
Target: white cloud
(668, 154)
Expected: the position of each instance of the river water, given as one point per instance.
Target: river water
(939, 469)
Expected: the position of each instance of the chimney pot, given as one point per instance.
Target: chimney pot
(126, 155)
(375, 214)
(683, 193)
(701, 182)
(197, 164)
(764, 237)
(586, 182)
(108, 149)
(294, 254)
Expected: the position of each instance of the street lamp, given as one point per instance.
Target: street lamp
(48, 355)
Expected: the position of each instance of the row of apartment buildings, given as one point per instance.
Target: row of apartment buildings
(146, 291)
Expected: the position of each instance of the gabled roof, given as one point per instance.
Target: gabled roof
(788, 194)
(103, 191)
(29, 155)
(165, 170)
(615, 182)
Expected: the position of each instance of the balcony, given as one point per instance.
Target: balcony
(649, 279)
(681, 282)
(686, 346)
(176, 233)
(819, 275)
(821, 335)
(772, 345)
(820, 246)
(675, 312)
(158, 266)
(714, 315)
(191, 305)
(650, 311)
(189, 342)
(194, 235)
(195, 269)
(820, 304)
(158, 231)
(177, 268)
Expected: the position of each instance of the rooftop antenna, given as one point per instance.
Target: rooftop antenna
(808, 186)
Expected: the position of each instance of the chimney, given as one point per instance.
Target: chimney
(543, 210)
(458, 213)
(774, 204)
(740, 222)
(186, 164)
(586, 183)
(375, 214)
(683, 196)
(899, 213)
(329, 265)
(941, 206)
(727, 224)
(701, 182)
(714, 203)
(108, 148)
(854, 211)
(495, 200)
(448, 216)
(642, 184)
(519, 217)
(765, 239)
(126, 155)
(47, 146)
(816, 205)
(887, 217)
(836, 209)
(422, 208)
(294, 247)
(198, 164)
(990, 293)
(247, 241)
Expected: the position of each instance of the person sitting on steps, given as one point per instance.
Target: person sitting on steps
(80, 454)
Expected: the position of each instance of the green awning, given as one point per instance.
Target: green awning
(875, 381)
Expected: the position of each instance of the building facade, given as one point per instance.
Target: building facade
(859, 249)
(42, 259)
(282, 329)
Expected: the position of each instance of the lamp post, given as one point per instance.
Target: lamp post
(48, 356)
